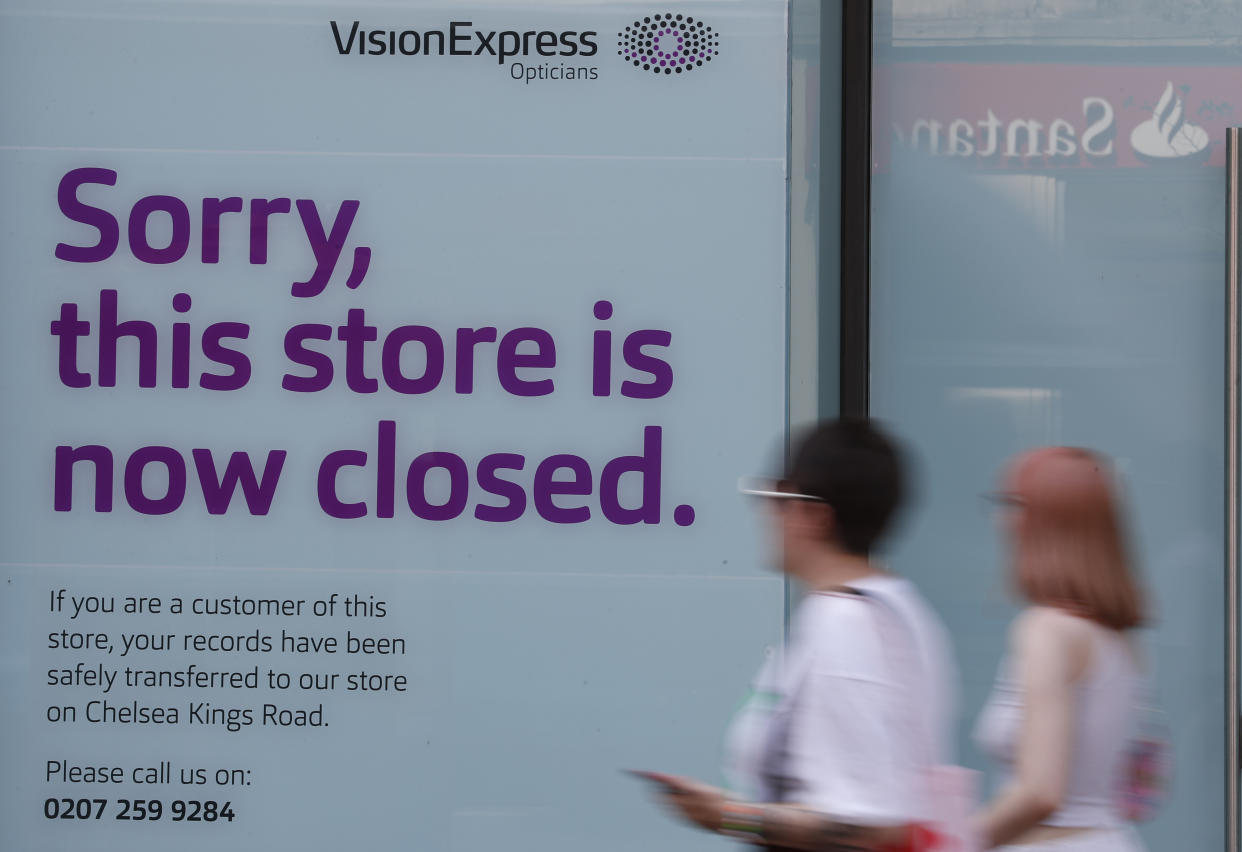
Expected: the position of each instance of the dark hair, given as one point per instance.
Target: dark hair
(857, 469)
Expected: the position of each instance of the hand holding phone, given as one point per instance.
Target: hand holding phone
(666, 783)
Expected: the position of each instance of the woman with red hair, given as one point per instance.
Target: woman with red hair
(1063, 707)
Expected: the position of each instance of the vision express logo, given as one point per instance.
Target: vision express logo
(461, 38)
(666, 43)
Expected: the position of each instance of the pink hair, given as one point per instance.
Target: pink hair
(1068, 542)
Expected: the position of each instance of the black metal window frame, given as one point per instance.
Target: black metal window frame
(854, 333)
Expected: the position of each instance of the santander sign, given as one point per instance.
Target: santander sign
(1041, 117)
(1017, 137)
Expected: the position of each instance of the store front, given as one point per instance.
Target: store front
(377, 379)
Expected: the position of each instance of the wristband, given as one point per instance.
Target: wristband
(741, 821)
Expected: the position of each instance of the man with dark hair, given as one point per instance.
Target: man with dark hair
(855, 469)
(837, 744)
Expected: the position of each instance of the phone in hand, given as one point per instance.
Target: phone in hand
(666, 783)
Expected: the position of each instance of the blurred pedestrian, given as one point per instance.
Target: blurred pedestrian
(1062, 711)
(834, 746)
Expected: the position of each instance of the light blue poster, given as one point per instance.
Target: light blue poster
(375, 382)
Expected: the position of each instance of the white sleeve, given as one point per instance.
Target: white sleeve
(849, 749)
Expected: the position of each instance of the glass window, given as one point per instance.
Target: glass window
(1048, 268)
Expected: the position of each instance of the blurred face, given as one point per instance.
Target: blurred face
(1010, 505)
(799, 525)
(1032, 478)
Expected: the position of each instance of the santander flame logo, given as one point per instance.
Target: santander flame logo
(1167, 136)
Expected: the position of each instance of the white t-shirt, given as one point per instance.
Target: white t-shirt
(859, 707)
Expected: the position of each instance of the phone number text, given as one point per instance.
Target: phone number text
(139, 810)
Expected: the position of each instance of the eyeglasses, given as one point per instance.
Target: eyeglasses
(1002, 500)
(775, 489)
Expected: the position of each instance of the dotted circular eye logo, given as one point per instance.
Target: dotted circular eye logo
(668, 44)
